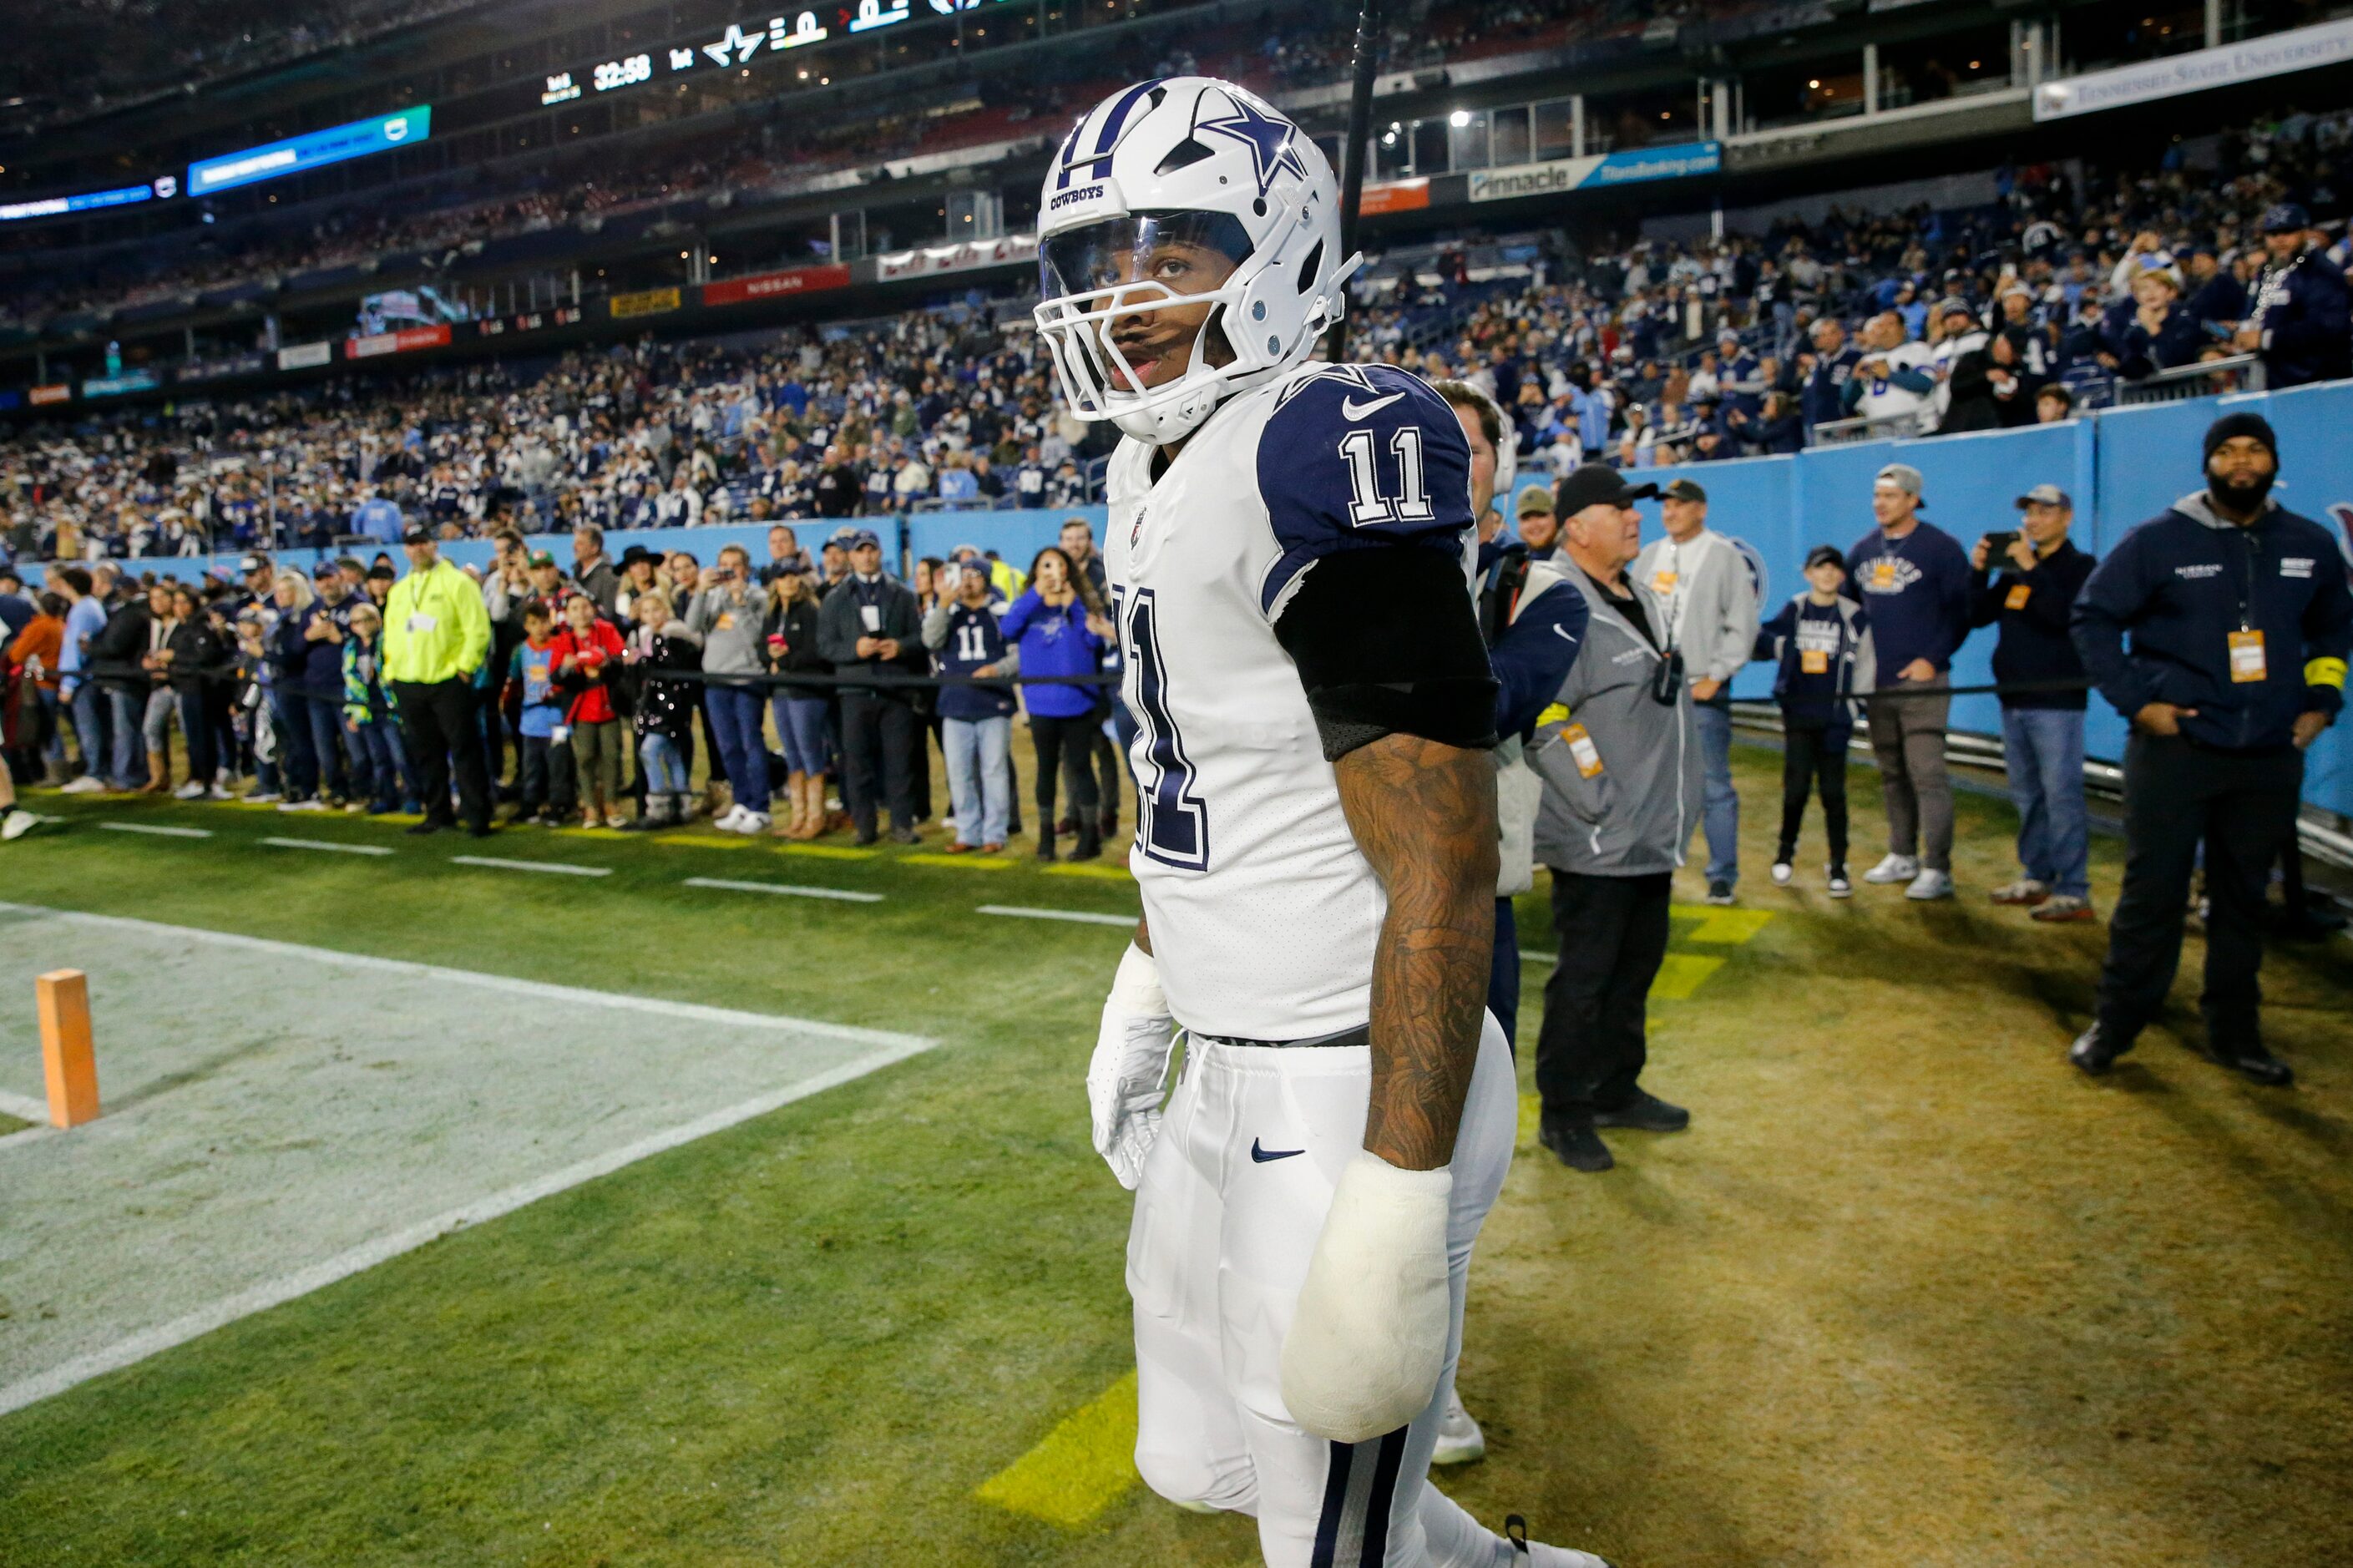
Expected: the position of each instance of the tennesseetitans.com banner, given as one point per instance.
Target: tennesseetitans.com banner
(1638, 164)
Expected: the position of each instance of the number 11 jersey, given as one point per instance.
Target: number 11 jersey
(1263, 910)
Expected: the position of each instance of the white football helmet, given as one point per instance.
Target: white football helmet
(1153, 185)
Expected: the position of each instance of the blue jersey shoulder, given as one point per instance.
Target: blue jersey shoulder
(1361, 457)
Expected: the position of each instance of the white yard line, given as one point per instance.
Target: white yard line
(725, 885)
(328, 845)
(157, 829)
(556, 866)
(691, 1011)
(180, 1330)
(1078, 916)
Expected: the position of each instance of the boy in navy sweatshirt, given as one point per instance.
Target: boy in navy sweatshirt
(1822, 642)
(1914, 580)
(2041, 732)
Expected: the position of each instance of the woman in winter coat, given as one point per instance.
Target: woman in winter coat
(1060, 626)
(664, 708)
(800, 710)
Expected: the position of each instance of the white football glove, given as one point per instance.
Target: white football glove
(1126, 1078)
(1368, 1341)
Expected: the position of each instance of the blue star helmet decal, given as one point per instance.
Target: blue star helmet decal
(1269, 139)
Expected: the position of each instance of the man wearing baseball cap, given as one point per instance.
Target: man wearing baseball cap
(2302, 319)
(1711, 599)
(2042, 571)
(436, 633)
(1619, 754)
(871, 623)
(2240, 623)
(1914, 580)
(1539, 529)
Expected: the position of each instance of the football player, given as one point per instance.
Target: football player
(1287, 554)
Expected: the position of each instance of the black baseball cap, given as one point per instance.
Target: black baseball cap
(2284, 218)
(1596, 484)
(1825, 555)
(1684, 489)
(417, 533)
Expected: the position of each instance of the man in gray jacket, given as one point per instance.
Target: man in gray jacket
(1619, 753)
(1710, 595)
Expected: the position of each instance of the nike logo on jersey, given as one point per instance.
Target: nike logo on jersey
(1261, 1156)
(1355, 410)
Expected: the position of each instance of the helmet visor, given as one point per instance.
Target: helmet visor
(1186, 253)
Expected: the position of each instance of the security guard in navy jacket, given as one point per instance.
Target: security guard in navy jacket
(2240, 622)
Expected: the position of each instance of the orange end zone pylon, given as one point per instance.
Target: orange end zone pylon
(66, 1058)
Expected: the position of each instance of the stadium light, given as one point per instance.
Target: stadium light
(1458, 119)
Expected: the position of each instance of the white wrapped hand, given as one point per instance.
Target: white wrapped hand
(1367, 1340)
(1125, 1081)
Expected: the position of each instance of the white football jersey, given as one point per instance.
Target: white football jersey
(1263, 912)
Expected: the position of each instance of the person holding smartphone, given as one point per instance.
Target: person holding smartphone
(2041, 573)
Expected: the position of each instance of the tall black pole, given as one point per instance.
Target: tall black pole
(1352, 152)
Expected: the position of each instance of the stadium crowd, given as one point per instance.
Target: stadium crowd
(1649, 354)
(308, 684)
(778, 151)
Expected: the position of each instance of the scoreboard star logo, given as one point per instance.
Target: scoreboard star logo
(1269, 139)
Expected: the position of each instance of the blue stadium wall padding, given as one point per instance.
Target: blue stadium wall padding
(2122, 466)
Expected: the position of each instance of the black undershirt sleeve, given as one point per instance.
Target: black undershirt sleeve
(1387, 642)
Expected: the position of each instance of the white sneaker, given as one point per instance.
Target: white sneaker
(730, 821)
(311, 804)
(192, 790)
(89, 784)
(17, 824)
(1782, 872)
(1840, 887)
(756, 823)
(263, 798)
(1895, 868)
(1460, 1441)
(1930, 885)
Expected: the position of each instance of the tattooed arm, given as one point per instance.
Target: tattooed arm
(1424, 814)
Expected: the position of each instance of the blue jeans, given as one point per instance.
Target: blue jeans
(1720, 811)
(128, 713)
(298, 757)
(2043, 748)
(980, 776)
(93, 718)
(384, 759)
(325, 718)
(665, 768)
(801, 728)
(735, 725)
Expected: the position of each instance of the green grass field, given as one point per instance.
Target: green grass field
(1909, 1292)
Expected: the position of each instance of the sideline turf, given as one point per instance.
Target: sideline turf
(1907, 1293)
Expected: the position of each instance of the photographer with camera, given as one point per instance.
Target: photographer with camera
(2042, 571)
(1619, 753)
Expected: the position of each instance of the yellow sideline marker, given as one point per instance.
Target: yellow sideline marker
(1083, 868)
(959, 862)
(1077, 1470)
(1719, 926)
(1681, 974)
(67, 1059)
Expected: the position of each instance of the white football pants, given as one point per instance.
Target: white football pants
(1232, 1199)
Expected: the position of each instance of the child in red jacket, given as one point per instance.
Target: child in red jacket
(587, 658)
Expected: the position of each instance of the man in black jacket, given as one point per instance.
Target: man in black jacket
(2302, 322)
(871, 625)
(2240, 622)
(116, 652)
(2042, 730)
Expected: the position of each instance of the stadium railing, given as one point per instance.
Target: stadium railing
(1879, 427)
(2239, 373)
